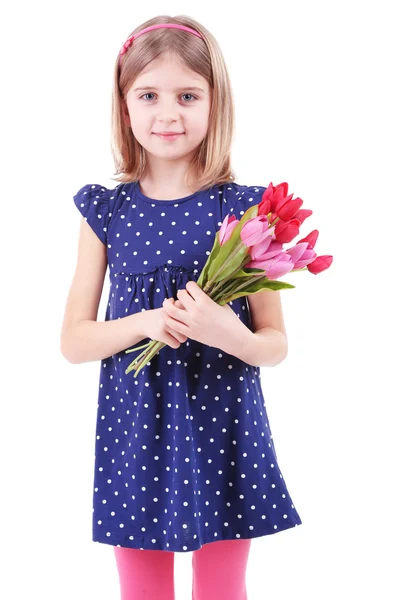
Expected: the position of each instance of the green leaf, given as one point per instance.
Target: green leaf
(257, 286)
(203, 277)
(248, 273)
(230, 254)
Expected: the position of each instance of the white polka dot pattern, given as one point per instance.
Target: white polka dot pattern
(184, 453)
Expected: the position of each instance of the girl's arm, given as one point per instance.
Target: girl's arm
(266, 347)
(83, 338)
(94, 340)
(265, 344)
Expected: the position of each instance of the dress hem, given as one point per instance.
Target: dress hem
(143, 543)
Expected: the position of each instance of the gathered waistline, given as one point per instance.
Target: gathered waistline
(159, 269)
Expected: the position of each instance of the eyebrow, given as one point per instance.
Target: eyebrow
(140, 89)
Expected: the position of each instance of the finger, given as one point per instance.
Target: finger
(195, 291)
(167, 302)
(178, 304)
(171, 340)
(186, 299)
(176, 325)
(179, 336)
(177, 314)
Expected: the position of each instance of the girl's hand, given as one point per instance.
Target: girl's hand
(198, 317)
(156, 328)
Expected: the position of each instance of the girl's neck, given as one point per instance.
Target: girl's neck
(165, 189)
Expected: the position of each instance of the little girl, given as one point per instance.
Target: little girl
(184, 456)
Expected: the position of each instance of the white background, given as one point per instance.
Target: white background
(317, 103)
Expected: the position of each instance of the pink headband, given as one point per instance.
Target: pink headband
(129, 41)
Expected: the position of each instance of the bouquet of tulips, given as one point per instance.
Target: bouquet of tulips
(248, 255)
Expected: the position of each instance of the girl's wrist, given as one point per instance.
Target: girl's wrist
(138, 321)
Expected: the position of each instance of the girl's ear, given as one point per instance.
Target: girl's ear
(125, 113)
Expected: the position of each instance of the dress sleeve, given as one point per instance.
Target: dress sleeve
(93, 202)
(249, 196)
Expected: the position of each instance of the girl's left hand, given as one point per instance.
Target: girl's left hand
(198, 317)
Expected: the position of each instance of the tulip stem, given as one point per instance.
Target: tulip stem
(137, 348)
(215, 287)
(250, 280)
(224, 264)
(222, 293)
(233, 286)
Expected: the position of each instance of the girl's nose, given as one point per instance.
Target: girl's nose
(167, 110)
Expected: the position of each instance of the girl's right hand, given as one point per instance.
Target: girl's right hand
(156, 328)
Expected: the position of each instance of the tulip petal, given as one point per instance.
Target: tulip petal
(274, 249)
(311, 238)
(307, 258)
(303, 214)
(253, 230)
(222, 230)
(286, 231)
(288, 210)
(321, 263)
(297, 251)
(259, 249)
(280, 267)
(229, 230)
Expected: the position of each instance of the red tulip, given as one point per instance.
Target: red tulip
(289, 209)
(273, 197)
(280, 196)
(302, 214)
(321, 263)
(264, 208)
(311, 238)
(265, 205)
(286, 231)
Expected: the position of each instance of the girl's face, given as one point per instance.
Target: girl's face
(169, 103)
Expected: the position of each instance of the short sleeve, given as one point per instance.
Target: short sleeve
(239, 198)
(94, 203)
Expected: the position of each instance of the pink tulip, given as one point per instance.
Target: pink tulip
(274, 267)
(296, 252)
(228, 225)
(307, 258)
(278, 266)
(265, 250)
(255, 230)
(301, 254)
(321, 263)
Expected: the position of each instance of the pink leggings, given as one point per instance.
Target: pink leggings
(218, 572)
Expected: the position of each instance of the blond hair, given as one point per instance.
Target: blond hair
(211, 164)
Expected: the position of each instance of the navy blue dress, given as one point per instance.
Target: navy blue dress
(184, 454)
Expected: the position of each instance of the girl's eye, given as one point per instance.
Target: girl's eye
(151, 93)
